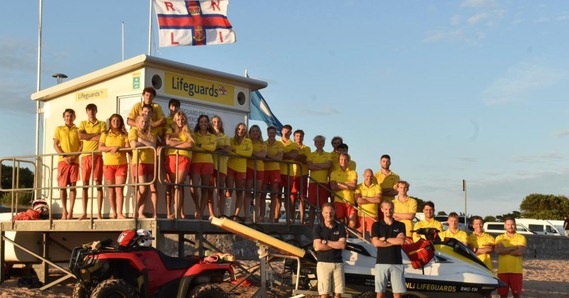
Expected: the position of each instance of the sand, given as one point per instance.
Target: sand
(542, 278)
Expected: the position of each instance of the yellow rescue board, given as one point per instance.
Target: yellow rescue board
(254, 235)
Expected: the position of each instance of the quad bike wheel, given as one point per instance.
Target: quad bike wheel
(113, 288)
(79, 291)
(207, 291)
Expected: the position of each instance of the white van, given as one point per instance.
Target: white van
(540, 226)
(498, 228)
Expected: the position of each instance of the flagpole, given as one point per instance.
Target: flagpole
(37, 172)
(150, 29)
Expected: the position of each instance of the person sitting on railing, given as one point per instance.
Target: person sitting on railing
(241, 147)
(178, 161)
(318, 162)
(202, 165)
(299, 188)
(115, 163)
(66, 140)
(290, 152)
(256, 172)
(343, 182)
(143, 160)
(275, 151)
(89, 133)
(219, 176)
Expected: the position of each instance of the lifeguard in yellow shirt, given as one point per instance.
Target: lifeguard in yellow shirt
(287, 171)
(344, 182)
(405, 207)
(510, 247)
(428, 222)
(202, 164)
(241, 148)
(300, 172)
(220, 157)
(318, 163)
(482, 244)
(386, 178)
(453, 231)
(256, 173)
(368, 197)
(143, 162)
(275, 151)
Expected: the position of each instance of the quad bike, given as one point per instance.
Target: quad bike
(132, 268)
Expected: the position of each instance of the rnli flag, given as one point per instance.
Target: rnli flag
(193, 23)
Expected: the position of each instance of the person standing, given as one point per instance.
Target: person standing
(220, 158)
(386, 178)
(272, 177)
(388, 235)
(290, 151)
(428, 222)
(157, 120)
(344, 182)
(241, 149)
(482, 244)
(405, 207)
(89, 133)
(566, 226)
(201, 168)
(256, 173)
(368, 197)
(318, 162)
(329, 241)
(143, 162)
(66, 140)
(510, 247)
(300, 172)
(453, 231)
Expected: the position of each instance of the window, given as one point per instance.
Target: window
(536, 228)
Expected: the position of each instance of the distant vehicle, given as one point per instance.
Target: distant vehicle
(540, 226)
(498, 228)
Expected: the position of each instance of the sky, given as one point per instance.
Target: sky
(451, 90)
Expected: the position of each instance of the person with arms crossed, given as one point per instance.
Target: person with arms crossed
(481, 243)
(405, 207)
(173, 107)
(220, 157)
(290, 151)
(329, 241)
(300, 185)
(201, 168)
(343, 182)
(453, 231)
(273, 172)
(241, 148)
(143, 162)
(428, 222)
(66, 140)
(157, 120)
(388, 235)
(318, 163)
(89, 133)
(368, 197)
(510, 248)
(256, 172)
(386, 178)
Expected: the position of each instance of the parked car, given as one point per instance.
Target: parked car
(540, 226)
(498, 228)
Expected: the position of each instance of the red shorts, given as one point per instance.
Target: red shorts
(144, 169)
(96, 164)
(272, 176)
(201, 168)
(183, 164)
(514, 282)
(113, 171)
(67, 173)
(238, 175)
(344, 210)
(366, 222)
(318, 194)
(260, 174)
(215, 175)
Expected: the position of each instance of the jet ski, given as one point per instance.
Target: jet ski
(433, 268)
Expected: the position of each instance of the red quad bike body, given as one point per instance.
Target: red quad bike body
(139, 271)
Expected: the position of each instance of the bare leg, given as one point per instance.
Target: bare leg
(154, 199)
(112, 193)
(168, 195)
(84, 199)
(239, 185)
(276, 202)
(204, 199)
(196, 180)
(63, 196)
(99, 201)
(72, 196)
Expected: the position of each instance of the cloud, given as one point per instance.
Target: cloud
(440, 35)
(455, 20)
(478, 3)
(562, 133)
(477, 18)
(539, 158)
(324, 112)
(519, 82)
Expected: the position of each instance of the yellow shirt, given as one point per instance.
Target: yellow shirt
(288, 147)
(334, 157)
(460, 235)
(509, 263)
(257, 165)
(245, 149)
(89, 127)
(296, 169)
(220, 161)
(157, 114)
(110, 139)
(272, 150)
(345, 177)
(371, 191)
(320, 176)
(426, 224)
(387, 182)
(481, 241)
(409, 206)
(146, 155)
(204, 142)
(181, 137)
(68, 140)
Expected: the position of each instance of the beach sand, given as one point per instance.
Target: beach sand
(542, 278)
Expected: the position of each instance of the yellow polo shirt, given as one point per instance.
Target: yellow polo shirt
(320, 176)
(509, 263)
(220, 161)
(68, 138)
(481, 241)
(344, 176)
(272, 150)
(110, 139)
(204, 142)
(296, 169)
(91, 127)
(409, 206)
(245, 149)
(386, 182)
(288, 147)
(460, 235)
(257, 165)
(146, 155)
(181, 137)
(371, 191)
(426, 224)
(157, 114)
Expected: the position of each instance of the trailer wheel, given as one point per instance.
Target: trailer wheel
(207, 291)
(79, 291)
(114, 288)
